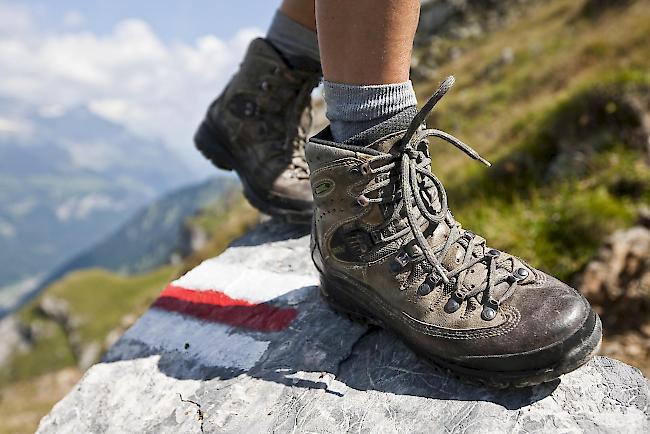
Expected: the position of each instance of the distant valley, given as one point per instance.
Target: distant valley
(67, 180)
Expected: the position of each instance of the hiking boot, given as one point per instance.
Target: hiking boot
(258, 127)
(390, 252)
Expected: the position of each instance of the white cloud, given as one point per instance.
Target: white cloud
(14, 19)
(14, 127)
(73, 19)
(81, 207)
(129, 75)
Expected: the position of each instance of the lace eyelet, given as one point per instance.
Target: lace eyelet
(365, 169)
(521, 274)
(402, 258)
(376, 236)
(424, 289)
(249, 110)
(494, 253)
(394, 267)
(264, 85)
(452, 305)
(488, 314)
(433, 280)
(490, 309)
(363, 201)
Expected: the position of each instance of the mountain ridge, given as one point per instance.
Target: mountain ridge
(68, 179)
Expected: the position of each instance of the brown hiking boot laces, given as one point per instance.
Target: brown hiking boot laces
(293, 86)
(416, 178)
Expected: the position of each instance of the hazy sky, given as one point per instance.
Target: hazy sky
(171, 20)
(151, 66)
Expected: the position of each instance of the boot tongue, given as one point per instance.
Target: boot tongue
(372, 137)
(386, 137)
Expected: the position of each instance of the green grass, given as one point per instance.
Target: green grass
(222, 223)
(50, 353)
(576, 176)
(568, 169)
(99, 300)
(30, 382)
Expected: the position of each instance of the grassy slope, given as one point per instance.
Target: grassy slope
(100, 300)
(222, 223)
(503, 109)
(24, 403)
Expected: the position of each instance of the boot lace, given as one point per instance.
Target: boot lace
(423, 199)
(292, 95)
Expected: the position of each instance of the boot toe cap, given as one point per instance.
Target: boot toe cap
(556, 326)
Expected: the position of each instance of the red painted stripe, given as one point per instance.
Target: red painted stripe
(215, 306)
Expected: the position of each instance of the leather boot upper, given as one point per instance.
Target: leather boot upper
(381, 222)
(263, 117)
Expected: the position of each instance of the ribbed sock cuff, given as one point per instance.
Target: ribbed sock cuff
(352, 103)
(292, 39)
(352, 109)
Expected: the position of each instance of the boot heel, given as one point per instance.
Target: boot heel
(341, 300)
(207, 141)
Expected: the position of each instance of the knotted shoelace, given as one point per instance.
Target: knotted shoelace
(415, 177)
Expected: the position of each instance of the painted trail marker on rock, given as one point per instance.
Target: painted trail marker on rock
(246, 338)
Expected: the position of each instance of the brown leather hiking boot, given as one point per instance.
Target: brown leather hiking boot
(390, 252)
(258, 127)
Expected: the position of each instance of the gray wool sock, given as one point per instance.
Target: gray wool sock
(352, 109)
(293, 40)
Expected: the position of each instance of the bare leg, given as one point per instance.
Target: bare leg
(366, 41)
(301, 11)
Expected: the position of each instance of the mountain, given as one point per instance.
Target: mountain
(67, 180)
(155, 236)
(158, 234)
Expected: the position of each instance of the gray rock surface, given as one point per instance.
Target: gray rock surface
(320, 373)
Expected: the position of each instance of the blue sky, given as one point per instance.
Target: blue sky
(172, 20)
(151, 66)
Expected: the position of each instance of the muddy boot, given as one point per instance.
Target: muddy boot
(390, 253)
(258, 127)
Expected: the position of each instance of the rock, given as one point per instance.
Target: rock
(57, 309)
(13, 337)
(88, 355)
(644, 216)
(112, 336)
(445, 22)
(618, 280)
(617, 283)
(243, 343)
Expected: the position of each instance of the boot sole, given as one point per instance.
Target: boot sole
(210, 144)
(345, 298)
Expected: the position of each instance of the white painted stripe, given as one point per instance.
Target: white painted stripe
(244, 283)
(210, 344)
